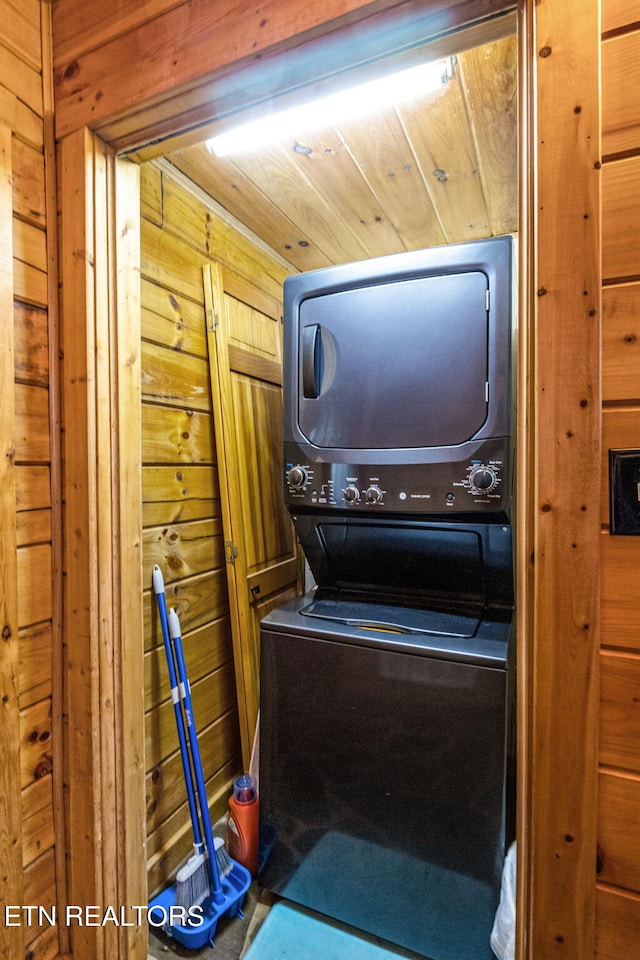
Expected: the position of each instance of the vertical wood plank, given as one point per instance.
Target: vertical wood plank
(53, 332)
(103, 617)
(560, 544)
(11, 938)
(106, 544)
(129, 656)
(81, 610)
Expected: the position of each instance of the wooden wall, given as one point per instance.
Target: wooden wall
(181, 502)
(26, 111)
(618, 926)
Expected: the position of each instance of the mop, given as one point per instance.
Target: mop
(192, 882)
(211, 884)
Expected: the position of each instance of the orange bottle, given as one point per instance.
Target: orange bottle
(242, 826)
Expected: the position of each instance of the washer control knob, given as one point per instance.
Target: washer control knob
(483, 479)
(373, 494)
(351, 494)
(297, 477)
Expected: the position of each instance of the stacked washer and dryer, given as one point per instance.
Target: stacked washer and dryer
(386, 744)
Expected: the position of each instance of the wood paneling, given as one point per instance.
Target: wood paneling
(35, 663)
(81, 27)
(32, 424)
(171, 375)
(621, 219)
(103, 623)
(174, 494)
(620, 713)
(205, 649)
(621, 342)
(619, 15)
(175, 322)
(211, 696)
(25, 87)
(21, 30)
(621, 93)
(619, 830)
(183, 549)
(176, 436)
(35, 735)
(165, 782)
(197, 601)
(618, 924)
(618, 912)
(11, 939)
(31, 345)
(181, 505)
(620, 608)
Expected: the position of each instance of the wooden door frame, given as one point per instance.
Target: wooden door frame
(558, 531)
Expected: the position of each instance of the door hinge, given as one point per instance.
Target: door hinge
(212, 320)
(231, 551)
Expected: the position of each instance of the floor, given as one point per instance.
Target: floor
(235, 937)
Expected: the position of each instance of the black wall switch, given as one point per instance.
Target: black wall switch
(624, 492)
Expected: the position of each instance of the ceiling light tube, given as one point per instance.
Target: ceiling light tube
(331, 110)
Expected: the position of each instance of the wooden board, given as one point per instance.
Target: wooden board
(559, 468)
(619, 15)
(620, 712)
(489, 81)
(619, 830)
(176, 436)
(21, 30)
(35, 663)
(618, 924)
(171, 319)
(621, 93)
(197, 600)
(211, 696)
(183, 549)
(620, 219)
(171, 376)
(174, 494)
(205, 649)
(621, 342)
(31, 345)
(32, 443)
(165, 782)
(620, 609)
(35, 734)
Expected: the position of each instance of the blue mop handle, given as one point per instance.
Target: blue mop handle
(185, 692)
(158, 586)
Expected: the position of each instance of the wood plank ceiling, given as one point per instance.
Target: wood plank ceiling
(439, 168)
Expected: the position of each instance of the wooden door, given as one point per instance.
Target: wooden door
(244, 334)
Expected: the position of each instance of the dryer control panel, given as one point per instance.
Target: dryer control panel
(476, 485)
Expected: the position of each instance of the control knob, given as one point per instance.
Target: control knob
(351, 494)
(373, 494)
(297, 477)
(483, 479)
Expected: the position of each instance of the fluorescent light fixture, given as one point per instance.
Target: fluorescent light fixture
(332, 109)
